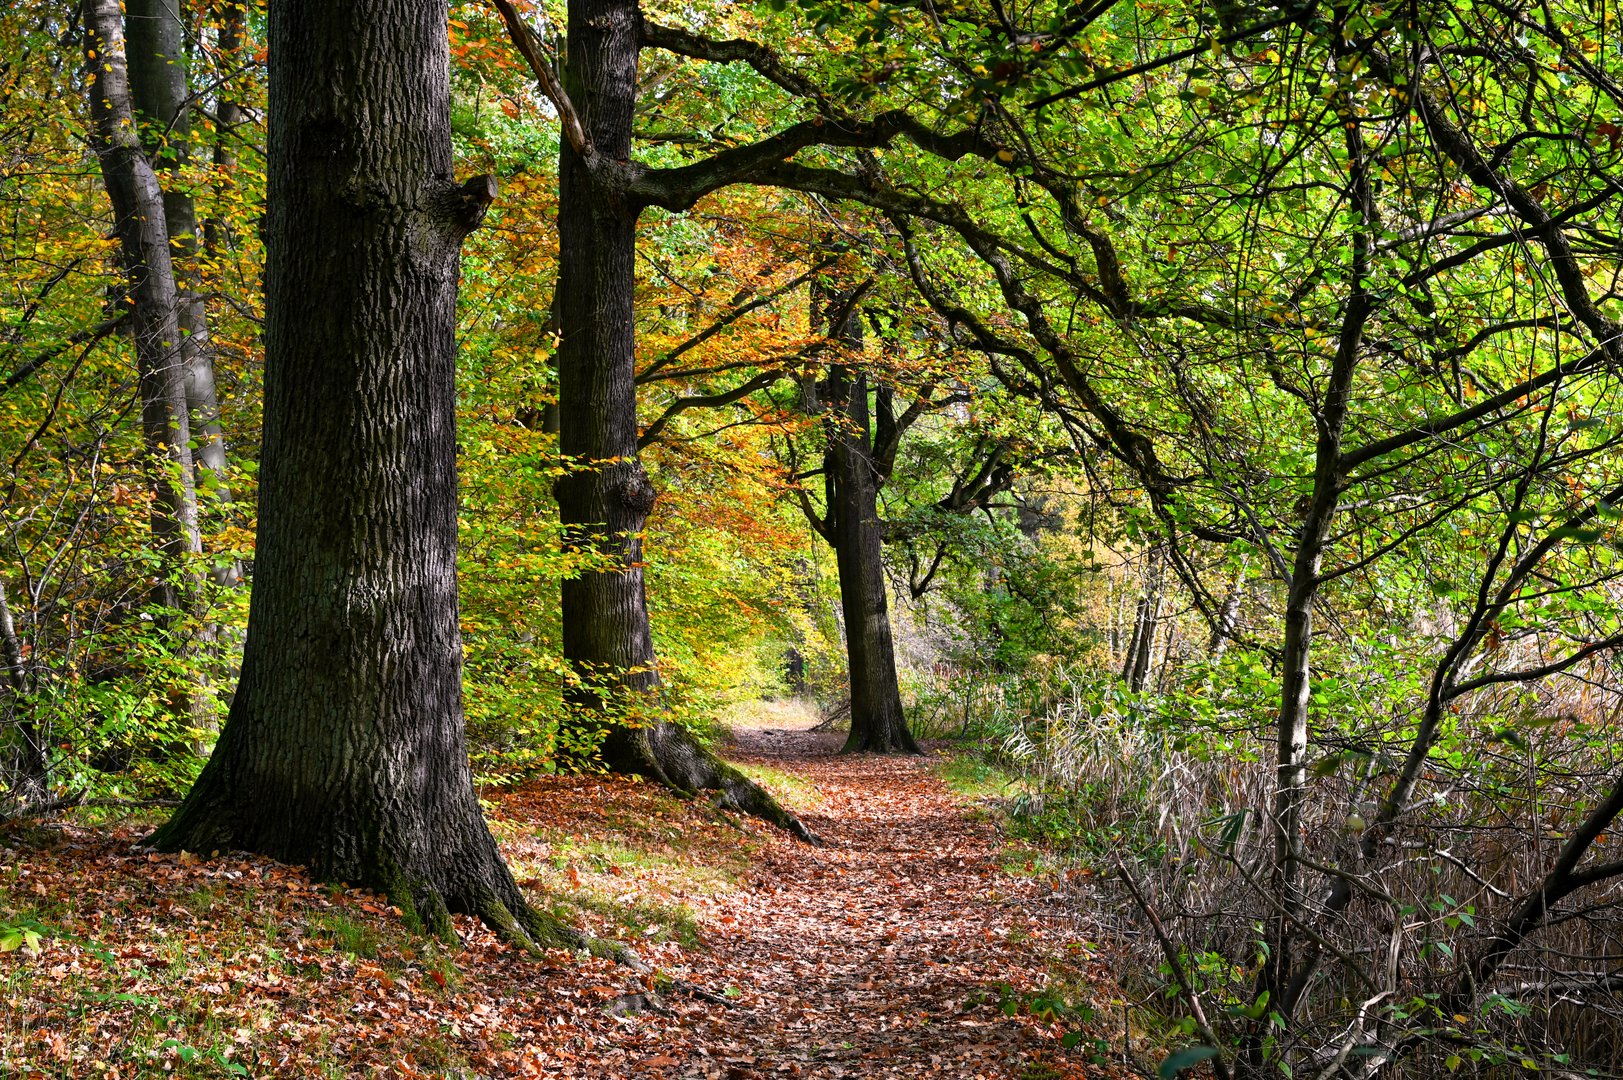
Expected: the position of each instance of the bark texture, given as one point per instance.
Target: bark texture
(604, 502)
(345, 747)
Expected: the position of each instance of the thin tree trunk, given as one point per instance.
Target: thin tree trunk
(1136, 672)
(227, 116)
(161, 96)
(139, 222)
(604, 503)
(1228, 617)
(345, 748)
(1301, 598)
(27, 779)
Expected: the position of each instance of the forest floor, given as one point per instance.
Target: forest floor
(915, 943)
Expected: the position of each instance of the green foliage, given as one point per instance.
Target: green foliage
(26, 935)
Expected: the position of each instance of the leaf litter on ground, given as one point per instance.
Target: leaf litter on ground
(902, 948)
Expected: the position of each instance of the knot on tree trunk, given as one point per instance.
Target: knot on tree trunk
(636, 491)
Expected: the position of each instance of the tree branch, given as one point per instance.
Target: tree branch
(731, 317)
(530, 48)
(706, 401)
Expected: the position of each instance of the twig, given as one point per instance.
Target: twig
(1220, 1067)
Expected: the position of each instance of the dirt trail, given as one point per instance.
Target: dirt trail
(886, 952)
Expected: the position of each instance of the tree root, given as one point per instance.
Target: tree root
(516, 922)
(668, 753)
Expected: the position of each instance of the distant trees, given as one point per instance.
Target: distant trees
(603, 191)
(866, 416)
(161, 341)
(854, 467)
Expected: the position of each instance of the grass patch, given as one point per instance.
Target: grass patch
(794, 792)
(631, 866)
(348, 936)
(201, 901)
(969, 774)
(632, 921)
(628, 892)
(1063, 829)
(777, 713)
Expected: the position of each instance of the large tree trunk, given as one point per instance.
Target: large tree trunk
(877, 721)
(604, 502)
(139, 223)
(345, 747)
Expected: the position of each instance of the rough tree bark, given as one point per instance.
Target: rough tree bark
(604, 503)
(345, 747)
(140, 225)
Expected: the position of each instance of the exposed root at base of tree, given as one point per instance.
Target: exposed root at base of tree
(895, 739)
(515, 921)
(669, 754)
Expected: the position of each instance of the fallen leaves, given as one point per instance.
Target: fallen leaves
(885, 954)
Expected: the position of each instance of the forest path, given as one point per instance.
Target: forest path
(888, 952)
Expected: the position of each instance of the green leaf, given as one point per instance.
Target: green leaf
(1187, 1058)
